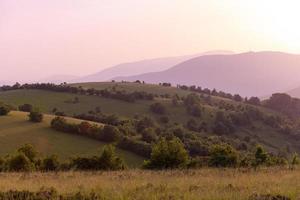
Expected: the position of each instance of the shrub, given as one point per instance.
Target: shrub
(158, 108)
(110, 134)
(261, 156)
(35, 116)
(50, 163)
(148, 135)
(4, 110)
(25, 107)
(29, 151)
(20, 162)
(109, 160)
(139, 147)
(223, 156)
(168, 155)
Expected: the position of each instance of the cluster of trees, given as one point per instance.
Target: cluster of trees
(170, 154)
(105, 133)
(27, 158)
(4, 109)
(120, 95)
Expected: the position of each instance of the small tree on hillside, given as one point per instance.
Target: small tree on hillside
(168, 155)
(4, 110)
(35, 116)
(223, 156)
(109, 160)
(261, 156)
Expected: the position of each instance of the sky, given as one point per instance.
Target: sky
(79, 37)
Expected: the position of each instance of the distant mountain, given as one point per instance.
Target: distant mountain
(144, 66)
(59, 78)
(294, 92)
(248, 74)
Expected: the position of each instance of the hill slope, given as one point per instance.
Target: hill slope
(16, 130)
(244, 123)
(247, 74)
(139, 67)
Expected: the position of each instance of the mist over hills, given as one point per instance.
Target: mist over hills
(248, 74)
(143, 66)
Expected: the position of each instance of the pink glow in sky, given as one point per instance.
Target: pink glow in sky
(79, 37)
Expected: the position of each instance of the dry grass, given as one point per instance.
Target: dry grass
(207, 184)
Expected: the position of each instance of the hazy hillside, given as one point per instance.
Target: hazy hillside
(250, 74)
(144, 66)
(199, 120)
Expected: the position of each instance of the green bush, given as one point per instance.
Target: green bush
(35, 116)
(4, 110)
(50, 163)
(223, 156)
(19, 162)
(168, 155)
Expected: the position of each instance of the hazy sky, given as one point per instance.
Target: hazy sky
(78, 37)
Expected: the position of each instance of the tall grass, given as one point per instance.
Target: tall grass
(208, 184)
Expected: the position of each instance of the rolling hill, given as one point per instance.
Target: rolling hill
(247, 74)
(254, 125)
(16, 130)
(138, 67)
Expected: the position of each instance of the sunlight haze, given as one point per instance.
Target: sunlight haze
(77, 37)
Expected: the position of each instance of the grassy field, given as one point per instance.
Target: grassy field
(16, 130)
(131, 87)
(203, 184)
(47, 100)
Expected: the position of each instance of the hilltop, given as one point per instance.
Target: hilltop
(247, 74)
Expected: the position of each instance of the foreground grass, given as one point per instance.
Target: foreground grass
(208, 184)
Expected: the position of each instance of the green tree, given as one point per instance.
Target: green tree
(168, 155)
(50, 163)
(109, 160)
(35, 116)
(20, 162)
(223, 156)
(4, 110)
(261, 156)
(29, 151)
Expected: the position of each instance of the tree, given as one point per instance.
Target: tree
(254, 101)
(20, 162)
(223, 156)
(261, 156)
(109, 160)
(4, 110)
(29, 151)
(168, 155)
(26, 107)
(110, 134)
(50, 163)
(148, 135)
(35, 116)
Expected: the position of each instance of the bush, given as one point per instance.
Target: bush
(50, 163)
(4, 110)
(110, 134)
(35, 116)
(25, 107)
(158, 108)
(20, 162)
(109, 160)
(168, 155)
(223, 156)
(139, 147)
(149, 135)
(29, 151)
